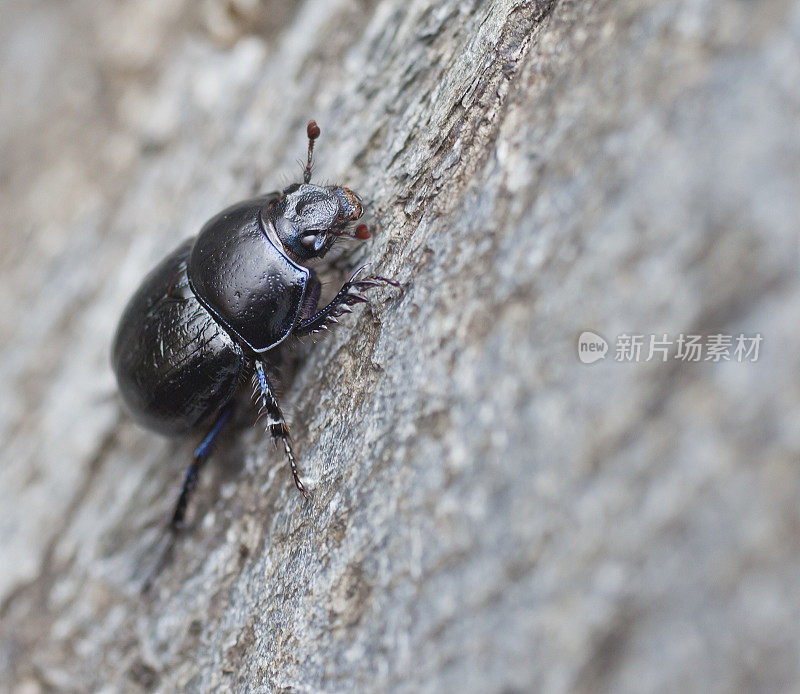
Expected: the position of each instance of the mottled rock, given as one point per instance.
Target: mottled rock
(489, 514)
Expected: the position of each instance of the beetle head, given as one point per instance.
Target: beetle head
(309, 218)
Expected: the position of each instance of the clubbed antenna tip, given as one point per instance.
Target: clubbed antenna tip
(313, 131)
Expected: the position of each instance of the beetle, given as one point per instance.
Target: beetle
(212, 310)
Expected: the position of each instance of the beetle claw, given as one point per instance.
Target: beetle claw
(356, 273)
(383, 280)
(366, 283)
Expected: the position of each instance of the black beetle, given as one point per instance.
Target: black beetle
(206, 316)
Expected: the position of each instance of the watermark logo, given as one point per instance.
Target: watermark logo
(591, 347)
(634, 347)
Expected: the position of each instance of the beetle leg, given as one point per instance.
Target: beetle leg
(201, 454)
(276, 424)
(311, 297)
(348, 296)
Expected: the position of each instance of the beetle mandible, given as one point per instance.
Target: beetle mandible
(207, 315)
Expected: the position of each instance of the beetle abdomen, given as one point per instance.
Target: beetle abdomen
(174, 363)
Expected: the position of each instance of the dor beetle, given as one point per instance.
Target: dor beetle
(206, 316)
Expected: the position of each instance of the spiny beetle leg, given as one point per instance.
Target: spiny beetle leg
(201, 454)
(347, 296)
(276, 424)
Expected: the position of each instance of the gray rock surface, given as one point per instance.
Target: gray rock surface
(489, 514)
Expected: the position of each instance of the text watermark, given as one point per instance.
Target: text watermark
(635, 347)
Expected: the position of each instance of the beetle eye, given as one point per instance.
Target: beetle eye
(314, 241)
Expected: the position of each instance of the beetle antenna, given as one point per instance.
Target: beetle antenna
(312, 130)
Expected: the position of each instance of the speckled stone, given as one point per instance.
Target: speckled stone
(489, 514)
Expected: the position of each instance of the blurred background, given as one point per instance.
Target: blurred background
(491, 513)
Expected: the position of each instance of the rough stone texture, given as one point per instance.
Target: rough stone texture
(489, 514)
